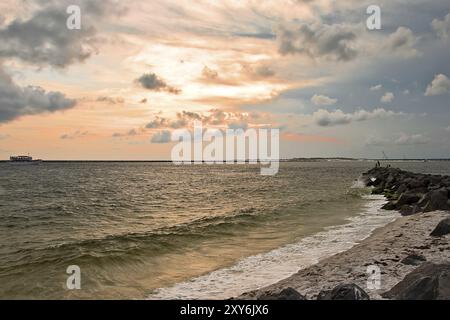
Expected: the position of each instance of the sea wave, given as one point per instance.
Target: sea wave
(263, 269)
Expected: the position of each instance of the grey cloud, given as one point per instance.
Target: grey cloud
(111, 100)
(214, 117)
(414, 139)
(401, 41)
(152, 82)
(403, 140)
(318, 40)
(130, 133)
(44, 39)
(325, 118)
(163, 136)
(157, 123)
(16, 101)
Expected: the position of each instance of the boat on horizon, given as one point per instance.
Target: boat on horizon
(24, 160)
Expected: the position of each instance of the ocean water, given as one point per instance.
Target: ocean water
(156, 230)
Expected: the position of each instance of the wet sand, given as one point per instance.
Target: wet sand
(385, 248)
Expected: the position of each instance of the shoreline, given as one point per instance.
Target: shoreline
(412, 259)
(386, 248)
(263, 269)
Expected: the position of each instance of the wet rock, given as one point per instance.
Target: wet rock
(414, 259)
(442, 229)
(391, 205)
(428, 282)
(344, 292)
(285, 294)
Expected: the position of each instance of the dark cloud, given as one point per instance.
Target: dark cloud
(16, 101)
(318, 40)
(44, 39)
(152, 82)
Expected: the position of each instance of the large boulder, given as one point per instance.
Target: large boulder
(407, 198)
(442, 229)
(285, 294)
(407, 210)
(437, 200)
(344, 292)
(428, 282)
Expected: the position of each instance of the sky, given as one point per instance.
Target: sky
(135, 71)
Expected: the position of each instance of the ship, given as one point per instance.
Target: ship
(24, 160)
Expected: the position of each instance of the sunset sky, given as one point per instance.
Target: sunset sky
(139, 69)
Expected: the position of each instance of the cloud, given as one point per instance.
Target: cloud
(335, 42)
(414, 139)
(325, 118)
(130, 133)
(376, 87)
(442, 27)
(75, 135)
(238, 125)
(447, 129)
(402, 41)
(214, 117)
(209, 74)
(322, 100)
(403, 140)
(157, 123)
(377, 141)
(43, 38)
(163, 136)
(16, 101)
(387, 98)
(152, 82)
(111, 100)
(4, 136)
(439, 85)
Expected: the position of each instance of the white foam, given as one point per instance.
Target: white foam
(264, 269)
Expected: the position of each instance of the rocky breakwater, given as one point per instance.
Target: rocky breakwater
(408, 192)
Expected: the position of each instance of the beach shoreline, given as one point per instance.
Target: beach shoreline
(399, 251)
(386, 248)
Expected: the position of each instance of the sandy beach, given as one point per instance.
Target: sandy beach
(385, 248)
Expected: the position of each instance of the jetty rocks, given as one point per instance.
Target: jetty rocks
(409, 192)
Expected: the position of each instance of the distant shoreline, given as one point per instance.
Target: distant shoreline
(281, 160)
